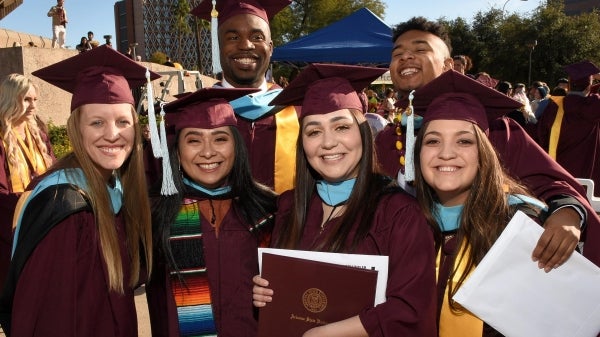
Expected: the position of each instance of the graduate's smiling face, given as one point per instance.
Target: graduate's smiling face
(207, 155)
(449, 158)
(418, 57)
(108, 134)
(245, 50)
(332, 144)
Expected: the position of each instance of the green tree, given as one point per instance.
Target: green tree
(59, 139)
(501, 44)
(303, 17)
(181, 26)
(158, 57)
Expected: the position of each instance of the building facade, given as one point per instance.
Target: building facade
(7, 6)
(149, 26)
(576, 7)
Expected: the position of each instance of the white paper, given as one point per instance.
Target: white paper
(376, 262)
(509, 292)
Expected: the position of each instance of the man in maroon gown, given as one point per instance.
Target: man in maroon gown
(572, 136)
(245, 48)
(421, 53)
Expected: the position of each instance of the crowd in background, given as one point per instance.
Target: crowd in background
(435, 165)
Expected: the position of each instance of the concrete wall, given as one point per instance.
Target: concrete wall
(54, 103)
(9, 37)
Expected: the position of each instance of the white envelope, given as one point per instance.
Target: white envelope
(509, 292)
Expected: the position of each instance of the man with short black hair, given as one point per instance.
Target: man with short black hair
(563, 83)
(245, 48)
(91, 41)
(421, 53)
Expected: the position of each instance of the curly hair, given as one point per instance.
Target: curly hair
(13, 89)
(422, 24)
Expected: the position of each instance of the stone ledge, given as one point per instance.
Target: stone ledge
(54, 103)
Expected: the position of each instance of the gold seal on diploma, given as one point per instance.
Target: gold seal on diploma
(314, 300)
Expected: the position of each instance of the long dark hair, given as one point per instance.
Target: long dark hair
(486, 211)
(253, 202)
(360, 207)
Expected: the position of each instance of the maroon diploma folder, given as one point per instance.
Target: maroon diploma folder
(310, 293)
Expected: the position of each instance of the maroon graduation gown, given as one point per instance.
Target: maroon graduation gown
(399, 231)
(231, 261)
(524, 159)
(63, 288)
(578, 149)
(260, 137)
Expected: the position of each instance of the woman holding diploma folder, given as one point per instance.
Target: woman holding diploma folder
(342, 203)
(206, 234)
(465, 193)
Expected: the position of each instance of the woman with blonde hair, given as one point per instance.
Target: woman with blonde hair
(25, 152)
(83, 231)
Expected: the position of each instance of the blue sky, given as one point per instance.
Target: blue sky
(97, 15)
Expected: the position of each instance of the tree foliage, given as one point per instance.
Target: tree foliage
(303, 17)
(181, 25)
(501, 43)
(158, 57)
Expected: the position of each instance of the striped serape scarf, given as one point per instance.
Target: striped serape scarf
(190, 287)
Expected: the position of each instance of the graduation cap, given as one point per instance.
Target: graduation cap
(455, 96)
(100, 75)
(264, 9)
(324, 88)
(225, 9)
(580, 73)
(206, 108)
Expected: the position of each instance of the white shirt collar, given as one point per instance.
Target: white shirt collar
(262, 87)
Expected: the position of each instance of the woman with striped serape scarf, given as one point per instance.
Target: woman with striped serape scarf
(206, 235)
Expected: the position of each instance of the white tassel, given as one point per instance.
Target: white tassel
(168, 185)
(154, 140)
(409, 163)
(214, 39)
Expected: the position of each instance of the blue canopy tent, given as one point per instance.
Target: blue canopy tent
(360, 38)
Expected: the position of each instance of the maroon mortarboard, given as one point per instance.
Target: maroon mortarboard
(580, 72)
(205, 108)
(264, 9)
(101, 75)
(487, 80)
(455, 96)
(324, 88)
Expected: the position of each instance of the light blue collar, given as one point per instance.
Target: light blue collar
(256, 105)
(334, 194)
(73, 176)
(514, 199)
(212, 192)
(116, 195)
(448, 218)
(418, 121)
